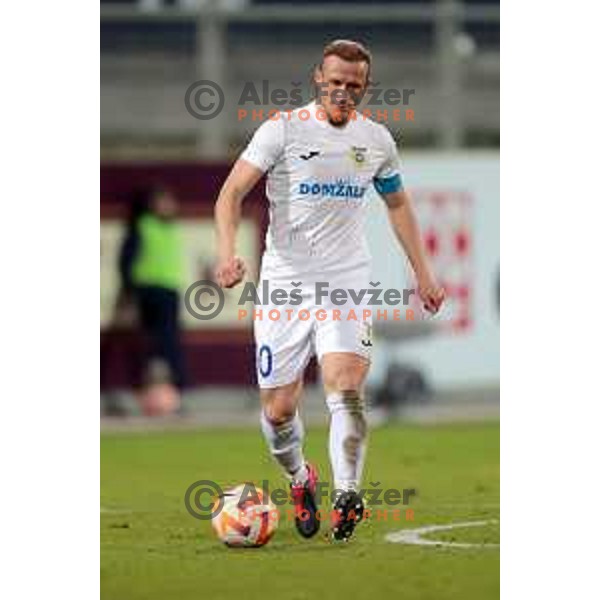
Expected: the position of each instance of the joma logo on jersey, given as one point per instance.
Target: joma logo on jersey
(332, 190)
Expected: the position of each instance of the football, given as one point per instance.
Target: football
(247, 519)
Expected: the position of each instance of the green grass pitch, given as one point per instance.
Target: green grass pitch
(151, 548)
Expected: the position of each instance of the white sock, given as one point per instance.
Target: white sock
(347, 438)
(285, 441)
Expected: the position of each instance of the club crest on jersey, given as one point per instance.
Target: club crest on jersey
(358, 154)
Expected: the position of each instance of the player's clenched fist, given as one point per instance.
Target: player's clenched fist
(432, 295)
(230, 272)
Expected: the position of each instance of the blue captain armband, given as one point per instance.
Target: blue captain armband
(388, 185)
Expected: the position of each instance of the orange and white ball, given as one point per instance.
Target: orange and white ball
(248, 518)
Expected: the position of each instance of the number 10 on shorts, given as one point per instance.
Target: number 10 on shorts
(265, 360)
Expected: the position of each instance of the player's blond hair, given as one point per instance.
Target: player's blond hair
(348, 50)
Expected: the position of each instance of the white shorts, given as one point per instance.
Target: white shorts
(288, 334)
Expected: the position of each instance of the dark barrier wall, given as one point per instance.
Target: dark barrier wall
(196, 185)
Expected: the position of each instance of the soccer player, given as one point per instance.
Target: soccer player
(320, 161)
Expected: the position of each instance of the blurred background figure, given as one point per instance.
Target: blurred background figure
(151, 269)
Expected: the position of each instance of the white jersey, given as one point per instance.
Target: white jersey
(317, 181)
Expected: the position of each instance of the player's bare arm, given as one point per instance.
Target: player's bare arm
(228, 210)
(402, 217)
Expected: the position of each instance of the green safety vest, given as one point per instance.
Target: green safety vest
(159, 261)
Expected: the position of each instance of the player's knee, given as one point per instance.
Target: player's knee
(278, 408)
(343, 380)
(279, 414)
(344, 373)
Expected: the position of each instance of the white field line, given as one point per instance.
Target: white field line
(415, 536)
